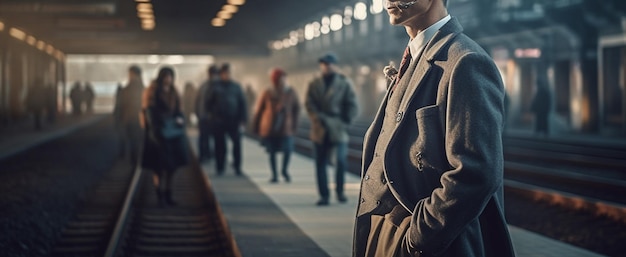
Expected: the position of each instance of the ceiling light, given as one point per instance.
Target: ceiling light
(236, 2)
(147, 21)
(16, 33)
(31, 40)
(360, 11)
(336, 22)
(309, 32)
(230, 8)
(142, 1)
(286, 43)
(145, 11)
(144, 15)
(224, 15)
(377, 6)
(277, 45)
(50, 49)
(1, 26)
(217, 22)
(144, 7)
(41, 45)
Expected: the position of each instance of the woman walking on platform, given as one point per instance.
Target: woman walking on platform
(276, 120)
(165, 145)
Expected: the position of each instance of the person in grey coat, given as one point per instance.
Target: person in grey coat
(432, 158)
(331, 104)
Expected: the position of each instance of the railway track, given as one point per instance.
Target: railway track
(121, 217)
(575, 174)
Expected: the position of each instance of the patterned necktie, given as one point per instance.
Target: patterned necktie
(404, 65)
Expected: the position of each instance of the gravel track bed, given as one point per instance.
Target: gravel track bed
(595, 233)
(40, 188)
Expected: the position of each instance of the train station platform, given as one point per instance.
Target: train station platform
(282, 220)
(22, 136)
(278, 219)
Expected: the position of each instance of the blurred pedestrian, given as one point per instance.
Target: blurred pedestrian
(189, 101)
(51, 103)
(128, 110)
(203, 112)
(165, 143)
(250, 100)
(432, 158)
(227, 105)
(332, 106)
(276, 120)
(88, 95)
(76, 98)
(36, 101)
(541, 105)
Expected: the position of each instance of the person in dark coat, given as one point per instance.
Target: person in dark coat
(76, 98)
(189, 101)
(541, 105)
(276, 120)
(332, 106)
(128, 109)
(88, 95)
(227, 104)
(36, 101)
(205, 147)
(163, 154)
(432, 169)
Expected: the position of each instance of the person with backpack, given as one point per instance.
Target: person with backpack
(276, 120)
(228, 108)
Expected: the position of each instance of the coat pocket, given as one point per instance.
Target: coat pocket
(427, 152)
(386, 238)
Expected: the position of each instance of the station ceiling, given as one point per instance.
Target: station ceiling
(181, 26)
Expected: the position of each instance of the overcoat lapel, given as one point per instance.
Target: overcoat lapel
(425, 62)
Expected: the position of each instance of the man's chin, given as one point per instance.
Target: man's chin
(395, 20)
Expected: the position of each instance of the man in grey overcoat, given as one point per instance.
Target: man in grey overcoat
(432, 158)
(331, 104)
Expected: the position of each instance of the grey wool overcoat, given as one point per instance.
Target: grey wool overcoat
(443, 160)
(331, 108)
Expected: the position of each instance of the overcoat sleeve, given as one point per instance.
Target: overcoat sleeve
(473, 147)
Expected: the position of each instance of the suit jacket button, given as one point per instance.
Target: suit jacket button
(420, 167)
(362, 200)
(384, 181)
(399, 117)
(367, 177)
(377, 202)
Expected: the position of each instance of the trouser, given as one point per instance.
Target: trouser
(204, 144)
(284, 145)
(132, 141)
(322, 155)
(220, 146)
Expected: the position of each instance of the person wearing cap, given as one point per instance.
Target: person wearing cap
(229, 113)
(432, 165)
(331, 104)
(275, 120)
(203, 115)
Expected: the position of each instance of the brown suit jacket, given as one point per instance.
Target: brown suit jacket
(444, 160)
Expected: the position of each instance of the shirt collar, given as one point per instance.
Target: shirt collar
(417, 44)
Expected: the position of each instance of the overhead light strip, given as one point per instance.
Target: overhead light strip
(227, 12)
(145, 12)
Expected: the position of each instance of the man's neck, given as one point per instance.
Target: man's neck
(422, 23)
